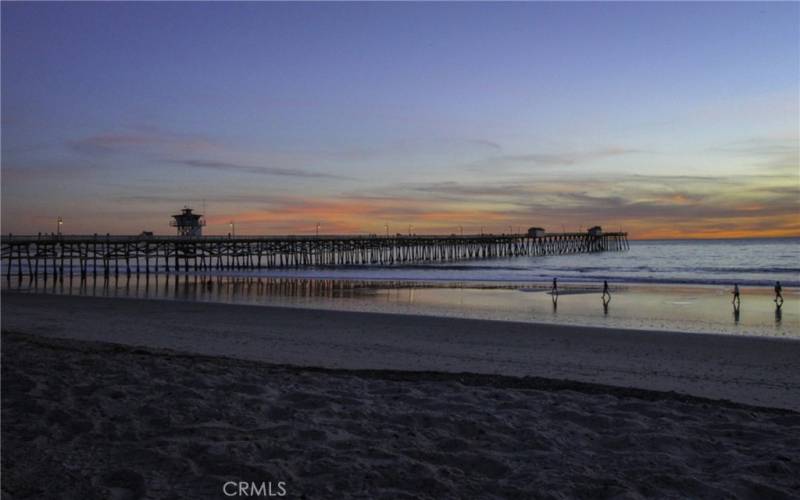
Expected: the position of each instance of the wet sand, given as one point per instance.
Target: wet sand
(749, 370)
(689, 308)
(91, 420)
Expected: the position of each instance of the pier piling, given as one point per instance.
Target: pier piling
(260, 252)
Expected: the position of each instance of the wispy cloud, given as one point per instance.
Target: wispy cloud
(657, 206)
(761, 146)
(566, 158)
(648, 205)
(486, 143)
(470, 190)
(259, 170)
(546, 159)
(174, 198)
(164, 146)
(24, 172)
(141, 139)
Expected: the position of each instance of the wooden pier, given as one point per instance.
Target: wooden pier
(83, 255)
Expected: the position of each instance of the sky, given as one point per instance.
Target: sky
(666, 120)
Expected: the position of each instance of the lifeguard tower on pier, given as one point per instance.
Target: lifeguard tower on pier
(189, 224)
(595, 231)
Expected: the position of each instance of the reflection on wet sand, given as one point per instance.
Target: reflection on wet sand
(204, 287)
(687, 308)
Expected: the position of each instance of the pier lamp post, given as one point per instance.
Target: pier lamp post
(410, 227)
(461, 228)
(386, 225)
(317, 229)
(481, 230)
(60, 223)
(233, 229)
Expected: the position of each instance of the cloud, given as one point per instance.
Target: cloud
(180, 198)
(470, 190)
(776, 154)
(34, 172)
(762, 202)
(646, 206)
(566, 158)
(156, 142)
(672, 209)
(650, 205)
(260, 170)
(548, 159)
(141, 139)
(486, 143)
(356, 215)
(761, 146)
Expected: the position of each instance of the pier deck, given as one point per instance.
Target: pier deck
(83, 254)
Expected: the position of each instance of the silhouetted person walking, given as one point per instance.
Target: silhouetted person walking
(736, 299)
(778, 293)
(554, 291)
(606, 294)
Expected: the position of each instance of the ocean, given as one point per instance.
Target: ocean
(656, 285)
(748, 262)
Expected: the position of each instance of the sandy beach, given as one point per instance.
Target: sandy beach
(113, 398)
(124, 422)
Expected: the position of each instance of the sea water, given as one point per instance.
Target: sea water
(670, 285)
(759, 262)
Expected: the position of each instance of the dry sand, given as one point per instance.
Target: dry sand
(751, 370)
(84, 420)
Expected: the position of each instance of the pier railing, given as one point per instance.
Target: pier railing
(83, 254)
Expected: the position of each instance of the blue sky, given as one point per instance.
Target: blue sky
(664, 119)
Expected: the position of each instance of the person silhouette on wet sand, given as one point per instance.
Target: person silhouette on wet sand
(778, 294)
(606, 294)
(554, 294)
(736, 299)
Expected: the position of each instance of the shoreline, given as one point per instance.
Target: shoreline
(751, 370)
(704, 309)
(565, 292)
(317, 274)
